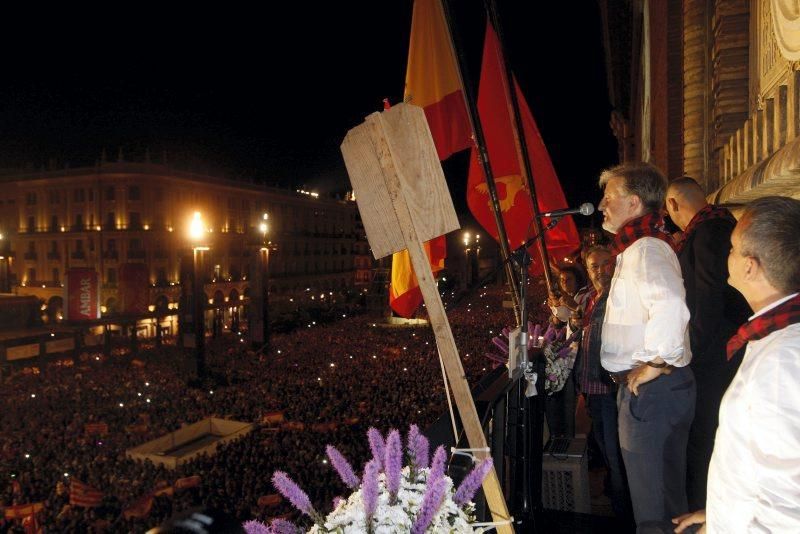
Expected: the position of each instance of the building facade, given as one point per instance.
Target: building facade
(709, 89)
(114, 214)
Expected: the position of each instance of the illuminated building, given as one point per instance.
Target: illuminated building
(112, 214)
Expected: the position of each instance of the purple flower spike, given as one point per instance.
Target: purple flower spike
(470, 484)
(256, 527)
(293, 493)
(431, 502)
(393, 463)
(506, 331)
(550, 334)
(369, 489)
(281, 526)
(342, 467)
(437, 466)
(337, 501)
(496, 357)
(376, 445)
(411, 440)
(422, 451)
(500, 344)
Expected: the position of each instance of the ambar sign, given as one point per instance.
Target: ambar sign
(83, 295)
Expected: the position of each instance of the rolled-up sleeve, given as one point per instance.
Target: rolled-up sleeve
(662, 294)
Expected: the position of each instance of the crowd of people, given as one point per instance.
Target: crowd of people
(343, 377)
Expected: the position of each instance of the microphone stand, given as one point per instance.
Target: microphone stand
(531, 421)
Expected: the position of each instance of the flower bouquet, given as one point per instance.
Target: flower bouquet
(554, 344)
(389, 497)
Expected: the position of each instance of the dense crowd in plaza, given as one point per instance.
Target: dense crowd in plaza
(343, 377)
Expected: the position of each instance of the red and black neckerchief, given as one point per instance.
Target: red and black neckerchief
(648, 225)
(777, 318)
(706, 214)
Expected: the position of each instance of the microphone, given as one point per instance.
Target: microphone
(585, 209)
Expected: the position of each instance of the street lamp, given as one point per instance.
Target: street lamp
(197, 234)
(260, 336)
(467, 239)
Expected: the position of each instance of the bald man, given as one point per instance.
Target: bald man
(716, 311)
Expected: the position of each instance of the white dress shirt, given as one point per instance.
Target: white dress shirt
(754, 476)
(646, 314)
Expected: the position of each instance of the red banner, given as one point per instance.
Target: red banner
(133, 283)
(188, 482)
(83, 295)
(21, 511)
(81, 494)
(96, 429)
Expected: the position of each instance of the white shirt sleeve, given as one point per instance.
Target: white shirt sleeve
(774, 416)
(661, 290)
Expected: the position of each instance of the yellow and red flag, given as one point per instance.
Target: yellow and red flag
(434, 84)
(516, 206)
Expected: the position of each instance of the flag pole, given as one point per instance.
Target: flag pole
(483, 157)
(521, 145)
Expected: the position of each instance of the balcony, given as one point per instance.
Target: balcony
(78, 255)
(136, 254)
(53, 256)
(31, 256)
(111, 255)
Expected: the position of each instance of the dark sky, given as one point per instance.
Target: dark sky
(271, 93)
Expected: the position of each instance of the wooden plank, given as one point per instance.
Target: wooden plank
(420, 208)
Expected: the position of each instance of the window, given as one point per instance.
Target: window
(112, 244)
(53, 223)
(110, 193)
(55, 276)
(79, 195)
(31, 275)
(30, 199)
(134, 193)
(55, 198)
(135, 244)
(111, 276)
(54, 247)
(79, 245)
(31, 224)
(31, 247)
(134, 219)
(79, 222)
(110, 223)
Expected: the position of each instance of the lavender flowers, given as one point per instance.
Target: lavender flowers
(437, 466)
(434, 495)
(342, 467)
(469, 486)
(370, 489)
(294, 494)
(376, 445)
(393, 463)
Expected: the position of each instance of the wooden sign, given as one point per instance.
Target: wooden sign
(404, 201)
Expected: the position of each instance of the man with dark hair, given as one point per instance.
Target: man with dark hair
(754, 476)
(645, 343)
(716, 309)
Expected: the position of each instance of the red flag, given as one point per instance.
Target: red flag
(188, 482)
(81, 494)
(512, 191)
(21, 511)
(434, 84)
(96, 429)
(139, 508)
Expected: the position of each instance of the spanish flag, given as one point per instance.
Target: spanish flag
(434, 84)
(494, 109)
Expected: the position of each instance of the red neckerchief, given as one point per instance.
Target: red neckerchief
(648, 225)
(590, 302)
(706, 214)
(775, 319)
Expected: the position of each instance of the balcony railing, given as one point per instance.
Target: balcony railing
(31, 256)
(136, 254)
(78, 255)
(53, 256)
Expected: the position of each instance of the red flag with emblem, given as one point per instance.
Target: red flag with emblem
(512, 191)
(434, 84)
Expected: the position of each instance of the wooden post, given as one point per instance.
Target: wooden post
(404, 201)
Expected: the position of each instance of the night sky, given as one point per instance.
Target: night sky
(270, 94)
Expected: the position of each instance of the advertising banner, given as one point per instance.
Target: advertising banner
(83, 295)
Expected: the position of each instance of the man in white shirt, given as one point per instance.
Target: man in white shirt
(754, 476)
(645, 343)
